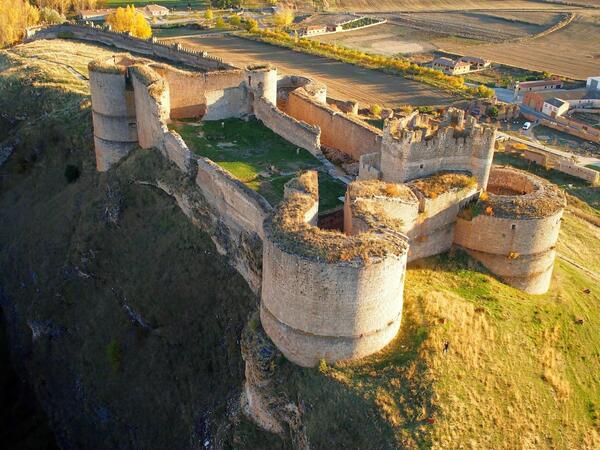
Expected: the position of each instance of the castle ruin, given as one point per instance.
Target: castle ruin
(425, 184)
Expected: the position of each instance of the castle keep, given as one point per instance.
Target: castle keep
(424, 185)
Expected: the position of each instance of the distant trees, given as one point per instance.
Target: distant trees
(51, 16)
(250, 24)
(224, 4)
(235, 21)
(15, 17)
(208, 14)
(65, 6)
(128, 19)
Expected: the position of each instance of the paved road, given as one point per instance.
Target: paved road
(344, 81)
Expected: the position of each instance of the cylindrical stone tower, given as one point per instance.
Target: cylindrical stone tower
(113, 113)
(262, 81)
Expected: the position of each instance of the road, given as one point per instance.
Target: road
(344, 81)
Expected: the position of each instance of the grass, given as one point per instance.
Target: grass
(258, 157)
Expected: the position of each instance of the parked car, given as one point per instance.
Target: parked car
(527, 125)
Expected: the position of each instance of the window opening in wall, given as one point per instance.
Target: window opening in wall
(513, 227)
(420, 166)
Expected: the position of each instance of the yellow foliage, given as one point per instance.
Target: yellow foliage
(208, 14)
(484, 196)
(489, 211)
(130, 20)
(15, 17)
(284, 18)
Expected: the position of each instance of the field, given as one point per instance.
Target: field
(258, 157)
(438, 5)
(344, 81)
(572, 51)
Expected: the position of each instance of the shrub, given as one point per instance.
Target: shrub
(72, 173)
(114, 355)
(492, 112)
(220, 23)
(375, 110)
(235, 21)
(208, 14)
(251, 25)
(323, 367)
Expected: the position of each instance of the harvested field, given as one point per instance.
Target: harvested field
(389, 39)
(344, 81)
(470, 25)
(439, 5)
(573, 51)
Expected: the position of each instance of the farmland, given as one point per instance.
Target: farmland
(343, 80)
(571, 51)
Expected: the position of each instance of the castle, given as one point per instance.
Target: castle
(424, 185)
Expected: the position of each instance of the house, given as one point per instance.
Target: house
(451, 67)
(155, 11)
(476, 63)
(593, 84)
(555, 107)
(537, 85)
(94, 15)
(312, 30)
(576, 98)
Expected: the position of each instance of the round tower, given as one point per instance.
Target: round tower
(113, 113)
(513, 228)
(262, 81)
(326, 295)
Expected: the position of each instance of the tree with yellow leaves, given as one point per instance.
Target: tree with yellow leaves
(284, 18)
(128, 19)
(15, 17)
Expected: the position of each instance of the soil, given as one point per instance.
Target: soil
(343, 80)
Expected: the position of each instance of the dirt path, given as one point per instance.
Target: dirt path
(344, 81)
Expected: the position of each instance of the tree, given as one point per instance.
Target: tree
(208, 14)
(51, 16)
(376, 110)
(284, 18)
(250, 24)
(235, 21)
(128, 19)
(220, 23)
(492, 112)
(15, 17)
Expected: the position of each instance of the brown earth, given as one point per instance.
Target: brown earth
(441, 5)
(344, 81)
(573, 51)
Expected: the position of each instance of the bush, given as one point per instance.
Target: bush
(235, 21)
(220, 23)
(375, 110)
(114, 355)
(208, 14)
(72, 173)
(492, 112)
(251, 25)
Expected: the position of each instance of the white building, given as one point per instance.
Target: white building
(555, 107)
(593, 84)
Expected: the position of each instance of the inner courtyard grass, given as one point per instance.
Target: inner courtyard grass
(258, 157)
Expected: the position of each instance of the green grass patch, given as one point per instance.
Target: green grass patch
(257, 156)
(591, 166)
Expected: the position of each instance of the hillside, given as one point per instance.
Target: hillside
(118, 308)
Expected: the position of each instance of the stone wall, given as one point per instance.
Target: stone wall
(338, 130)
(585, 173)
(408, 154)
(519, 245)
(151, 94)
(174, 53)
(298, 133)
(433, 230)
